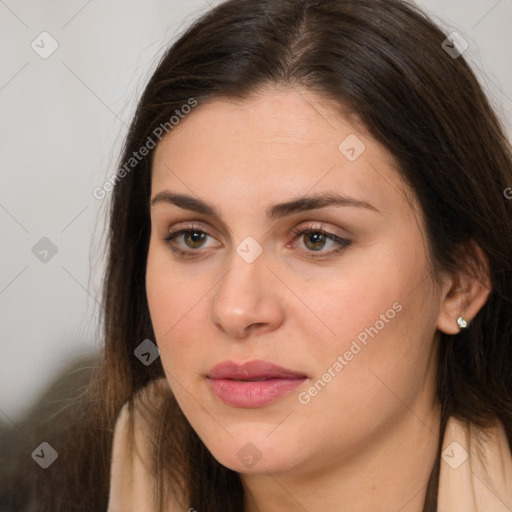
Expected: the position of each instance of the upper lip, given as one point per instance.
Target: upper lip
(252, 370)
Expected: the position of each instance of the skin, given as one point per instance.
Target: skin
(368, 439)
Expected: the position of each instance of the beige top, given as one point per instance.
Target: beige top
(475, 473)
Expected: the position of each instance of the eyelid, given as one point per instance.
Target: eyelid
(175, 232)
(314, 227)
(310, 226)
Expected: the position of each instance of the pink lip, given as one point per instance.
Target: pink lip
(235, 384)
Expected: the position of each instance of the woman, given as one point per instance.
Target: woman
(310, 224)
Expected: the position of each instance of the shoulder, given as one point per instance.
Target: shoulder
(132, 481)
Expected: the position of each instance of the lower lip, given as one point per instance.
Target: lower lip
(252, 393)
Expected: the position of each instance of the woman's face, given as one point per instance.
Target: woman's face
(350, 312)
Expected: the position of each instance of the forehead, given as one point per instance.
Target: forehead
(278, 142)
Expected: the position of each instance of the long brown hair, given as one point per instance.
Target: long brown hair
(385, 61)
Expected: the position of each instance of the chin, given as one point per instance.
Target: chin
(254, 454)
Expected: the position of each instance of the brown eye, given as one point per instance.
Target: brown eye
(196, 238)
(315, 239)
(193, 238)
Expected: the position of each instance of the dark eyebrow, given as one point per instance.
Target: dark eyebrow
(305, 203)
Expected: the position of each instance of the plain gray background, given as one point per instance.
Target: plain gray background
(62, 121)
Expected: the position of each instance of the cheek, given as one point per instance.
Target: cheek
(346, 305)
(380, 319)
(177, 303)
(380, 359)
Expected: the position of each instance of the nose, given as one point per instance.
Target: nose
(248, 299)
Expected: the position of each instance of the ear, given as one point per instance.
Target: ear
(464, 293)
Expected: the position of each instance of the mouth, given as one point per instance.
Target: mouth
(253, 384)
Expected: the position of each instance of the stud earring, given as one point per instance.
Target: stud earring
(462, 322)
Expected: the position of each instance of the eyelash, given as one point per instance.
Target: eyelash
(301, 230)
